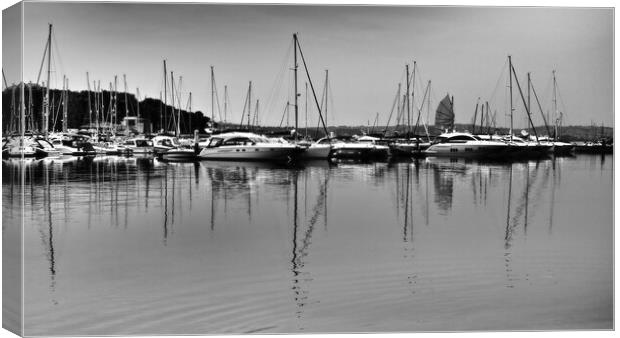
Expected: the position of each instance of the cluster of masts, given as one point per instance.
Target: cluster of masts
(408, 113)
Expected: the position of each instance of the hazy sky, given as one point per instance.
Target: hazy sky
(462, 50)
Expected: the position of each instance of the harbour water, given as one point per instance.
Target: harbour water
(120, 246)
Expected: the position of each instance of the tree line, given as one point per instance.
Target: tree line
(79, 115)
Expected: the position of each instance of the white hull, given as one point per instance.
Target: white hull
(409, 149)
(467, 150)
(250, 152)
(142, 150)
(65, 150)
(21, 152)
(179, 154)
(359, 150)
(317, 151)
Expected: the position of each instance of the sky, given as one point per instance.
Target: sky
(462, 50)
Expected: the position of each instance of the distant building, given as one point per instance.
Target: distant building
(137, 125)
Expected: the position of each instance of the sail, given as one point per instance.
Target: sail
(444, 116)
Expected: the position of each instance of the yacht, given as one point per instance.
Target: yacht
(12, 147)
(247, 146)
(410, 147)
(364, 147)
(111, 148)
(139, 145)
(320, 149)
(33, 146)
(466, 145)
(518, 147)
(558, 147)
(169, 148)
(72, 144)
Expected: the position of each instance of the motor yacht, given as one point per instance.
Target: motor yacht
(248, 146)
(466, 145)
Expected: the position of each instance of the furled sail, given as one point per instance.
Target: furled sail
(444, 116)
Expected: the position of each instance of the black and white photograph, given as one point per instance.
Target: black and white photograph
(198, 168)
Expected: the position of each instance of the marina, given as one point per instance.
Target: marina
(217, 169)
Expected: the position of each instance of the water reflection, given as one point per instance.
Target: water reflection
(432, 211)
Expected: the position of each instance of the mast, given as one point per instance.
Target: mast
(138, 100)
(110, 107)
(511, 108)
(212, 96)
(172, 95)
(46, 115)
(90, 109)
(295, 71)
(179, 103)
(473, 128)
(65, 99)
(413, 94)
(4, 77)
(326, 93)
(527, 110)
(190, 111)
(306, 98)
(249, 103)
(165, 124)
(541, 110)
(98, 102)
(22, 108)
(312, 88)
(481, 119)
(126, 105)
(488, 118)
(225, 102)
(115, 106)
(407, 102)
(529, 105)
(30, 107)
(256, 113)
(555, 108)
(428, 111)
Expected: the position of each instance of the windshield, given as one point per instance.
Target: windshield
(215, 142)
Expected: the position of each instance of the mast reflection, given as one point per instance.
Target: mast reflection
(302, 239)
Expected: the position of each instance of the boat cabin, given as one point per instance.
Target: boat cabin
(455, 138)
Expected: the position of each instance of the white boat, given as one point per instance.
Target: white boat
(365, 148)
(111, 148)
(247, 147)
(72, 144)
(466, 145)
(320, 149)
(411, 147)
(557, 147)
(139, 145)
(518, 147)
(169, 148)
(44, 147)
(14, 148)
(32, 146)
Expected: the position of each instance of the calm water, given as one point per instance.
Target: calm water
(137, 246)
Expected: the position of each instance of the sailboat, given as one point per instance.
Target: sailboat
(168, 147)
(410, 147)
(322, 148)
(518, 147)
(32, 145)
(559, 147)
